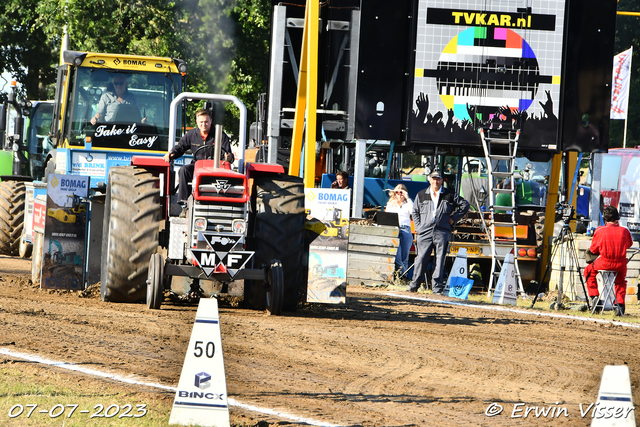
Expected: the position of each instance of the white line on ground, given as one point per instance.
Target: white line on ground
(133, 380)
(513, 310)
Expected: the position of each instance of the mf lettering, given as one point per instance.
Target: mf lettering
(232, 259)
(332, 197)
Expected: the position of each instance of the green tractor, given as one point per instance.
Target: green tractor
(24, 147)
(529, 178)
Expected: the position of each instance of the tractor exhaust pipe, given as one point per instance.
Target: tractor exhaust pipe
(217, 147)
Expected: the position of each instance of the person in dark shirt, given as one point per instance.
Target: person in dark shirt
(192, 140)
(435, 210)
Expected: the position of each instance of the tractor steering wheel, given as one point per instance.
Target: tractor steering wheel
(205, 153)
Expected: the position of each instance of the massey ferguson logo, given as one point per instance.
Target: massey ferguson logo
(222, 186)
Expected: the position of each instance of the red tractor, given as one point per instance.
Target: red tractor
(245, 225)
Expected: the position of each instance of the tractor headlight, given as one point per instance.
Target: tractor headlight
(238, 226)
(200, 224)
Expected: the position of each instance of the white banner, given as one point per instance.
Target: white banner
(620, 84)
(327, 277)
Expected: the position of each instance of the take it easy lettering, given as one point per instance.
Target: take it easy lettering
(103, 131)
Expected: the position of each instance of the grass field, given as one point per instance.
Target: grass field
(34, 396)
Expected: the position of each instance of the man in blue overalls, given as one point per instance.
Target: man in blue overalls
(435, 210)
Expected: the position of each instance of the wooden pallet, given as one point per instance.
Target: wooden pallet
(371, 254)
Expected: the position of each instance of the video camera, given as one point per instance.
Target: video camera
(565, 211)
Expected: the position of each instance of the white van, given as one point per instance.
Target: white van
(618, 175)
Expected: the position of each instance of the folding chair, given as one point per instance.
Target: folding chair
(607, 297)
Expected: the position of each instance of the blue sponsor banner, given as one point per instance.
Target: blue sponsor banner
(65, 228)
(96, 164)
(327, 277)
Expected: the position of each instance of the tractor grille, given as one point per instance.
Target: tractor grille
(215, 186)
(217, 214)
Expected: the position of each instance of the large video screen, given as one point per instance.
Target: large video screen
(488, 64)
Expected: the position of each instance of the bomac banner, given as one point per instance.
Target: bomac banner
(65, 227)
(327, 277)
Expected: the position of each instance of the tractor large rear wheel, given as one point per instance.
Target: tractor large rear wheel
(12, 200)
(276, 223)
(130, 233)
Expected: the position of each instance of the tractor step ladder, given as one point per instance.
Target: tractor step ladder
(503, 148)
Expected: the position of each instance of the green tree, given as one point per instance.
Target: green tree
(250, 65)
(112, 26)
(26, 53)
(224, 42)
(226, 45)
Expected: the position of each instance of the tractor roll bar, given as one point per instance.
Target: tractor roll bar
(242, 134)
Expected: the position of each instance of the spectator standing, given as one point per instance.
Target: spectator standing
(435, 210)
(400, 203)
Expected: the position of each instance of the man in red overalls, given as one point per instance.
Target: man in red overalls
(610, 242)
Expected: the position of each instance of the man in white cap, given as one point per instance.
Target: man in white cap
(435, 210)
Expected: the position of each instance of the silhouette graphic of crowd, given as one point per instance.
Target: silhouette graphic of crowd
(436, 128)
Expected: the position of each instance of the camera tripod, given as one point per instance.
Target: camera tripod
(565, 237)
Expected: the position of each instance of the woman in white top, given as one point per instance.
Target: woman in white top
(400, 203)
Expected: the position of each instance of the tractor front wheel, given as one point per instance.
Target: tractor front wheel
(275, 290)
(130, 233)
(155, 282)
(25, 248)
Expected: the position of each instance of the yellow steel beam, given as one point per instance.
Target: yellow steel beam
(572, 164)
(312, 94)
(307, 97)
(550, 212)
(301, 103)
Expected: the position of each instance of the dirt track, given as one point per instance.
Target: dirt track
(378, 360)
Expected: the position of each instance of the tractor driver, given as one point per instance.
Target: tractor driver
(116, 95)
(194, 139)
